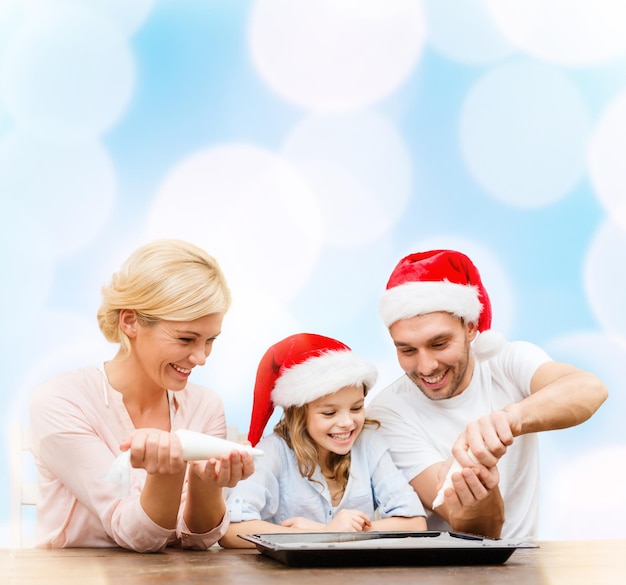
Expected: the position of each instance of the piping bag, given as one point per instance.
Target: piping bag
(447, 482)
(196, 447)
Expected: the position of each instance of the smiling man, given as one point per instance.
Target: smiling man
(469, 406)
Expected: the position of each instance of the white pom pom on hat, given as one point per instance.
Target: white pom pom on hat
(441, 280)
(300, 369)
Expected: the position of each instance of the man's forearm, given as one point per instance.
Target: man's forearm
(565, 402)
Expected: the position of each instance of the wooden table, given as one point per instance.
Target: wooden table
(553, 563)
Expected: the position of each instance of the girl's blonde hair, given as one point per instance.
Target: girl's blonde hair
(292, 428)
(166, 279)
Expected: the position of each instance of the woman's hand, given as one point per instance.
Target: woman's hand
(226, 471)
(156, 451)
(160, 454)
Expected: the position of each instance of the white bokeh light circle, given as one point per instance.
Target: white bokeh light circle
(606, 160)
(360, 169)
(255, 322)
(26, 283)
(602, 355)
(67, 74)
(605, 278)
(584, 491)
(127, 16)
(564, 32)
(250, 209)
(56, 197)
(335, 56)
(345, 287)
(12, 13)
(10, 8)
(596, 352)
(523, 131)
(463, 30)
(66, 341)
(387, 367)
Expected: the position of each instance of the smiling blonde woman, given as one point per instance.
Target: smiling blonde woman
(165, 309)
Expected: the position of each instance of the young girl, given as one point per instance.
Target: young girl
(164, 308)
(325, 468)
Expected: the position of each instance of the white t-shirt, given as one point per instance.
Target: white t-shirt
(421, 431)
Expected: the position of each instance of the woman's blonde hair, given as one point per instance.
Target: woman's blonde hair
(292, 428)
(166, 279)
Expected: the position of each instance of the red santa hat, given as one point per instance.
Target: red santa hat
(300, 369)
(441, 280)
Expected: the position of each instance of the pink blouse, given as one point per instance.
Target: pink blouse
(77, 423)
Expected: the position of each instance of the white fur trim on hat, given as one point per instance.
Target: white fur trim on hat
(322, 375)
(417, 298)
(487, 344)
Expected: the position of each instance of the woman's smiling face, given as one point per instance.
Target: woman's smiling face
(167, 351)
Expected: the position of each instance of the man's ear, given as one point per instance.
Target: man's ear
(472, 331)
(128, 322)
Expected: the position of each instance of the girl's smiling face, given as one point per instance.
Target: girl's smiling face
(334, 421)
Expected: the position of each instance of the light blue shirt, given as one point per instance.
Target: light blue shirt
(277, 491)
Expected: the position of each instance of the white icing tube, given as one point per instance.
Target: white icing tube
(198, 446)
(447, 482)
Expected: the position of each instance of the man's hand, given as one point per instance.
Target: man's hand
(474, 503)
(487, 439)
(469, 486)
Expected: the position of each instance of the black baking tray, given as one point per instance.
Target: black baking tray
(333, 549)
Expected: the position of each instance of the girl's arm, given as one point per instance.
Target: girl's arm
(231, 540)
(397, 523)
(294, 525)
(399, 506)
(345, 521)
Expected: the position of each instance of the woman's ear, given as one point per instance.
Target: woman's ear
(128, 322)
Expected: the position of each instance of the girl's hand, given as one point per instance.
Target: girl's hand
(303, 524)
(156, 451)
(349, 521)
(226, 471)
